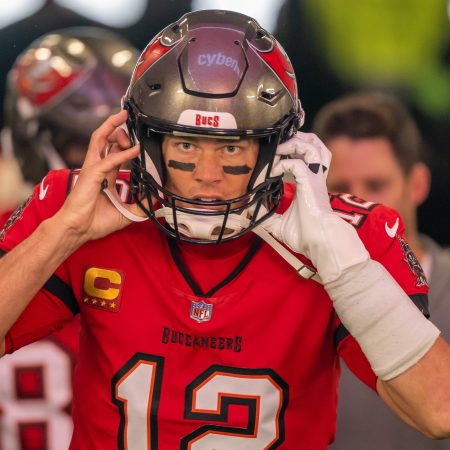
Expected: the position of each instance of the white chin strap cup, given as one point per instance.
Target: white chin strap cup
(203, 227)
(209, 227)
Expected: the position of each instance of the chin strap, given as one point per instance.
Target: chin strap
(203, 227)
(128, 214)
(209, 227)
(303, 270)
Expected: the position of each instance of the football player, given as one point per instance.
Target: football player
(378, 155)
(219, 322)
(59, 90)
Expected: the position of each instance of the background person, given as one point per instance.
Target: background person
(378, 155)
(59, 90)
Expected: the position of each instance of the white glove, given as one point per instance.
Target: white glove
(309, 226)
(391, 331)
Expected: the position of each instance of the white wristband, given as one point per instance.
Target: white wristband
(390, 329)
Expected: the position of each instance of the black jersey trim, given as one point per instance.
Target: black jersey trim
(340, 334)
(420, 300)
(174, 250)
(59, 289)
(69, 182)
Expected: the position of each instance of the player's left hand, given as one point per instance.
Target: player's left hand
(309, 226)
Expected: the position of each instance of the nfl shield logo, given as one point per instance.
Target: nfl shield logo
(201, 311)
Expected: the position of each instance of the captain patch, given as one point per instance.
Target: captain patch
(102, 288)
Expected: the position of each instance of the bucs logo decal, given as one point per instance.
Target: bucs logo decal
(40, 80)
(280, 63)
(149, 56)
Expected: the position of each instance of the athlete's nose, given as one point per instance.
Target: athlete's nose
(208, 167)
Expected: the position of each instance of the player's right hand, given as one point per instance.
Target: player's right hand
(88, 213)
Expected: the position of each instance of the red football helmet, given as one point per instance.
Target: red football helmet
(59, 90)
(214, 73)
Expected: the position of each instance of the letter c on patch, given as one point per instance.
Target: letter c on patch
(98, 283)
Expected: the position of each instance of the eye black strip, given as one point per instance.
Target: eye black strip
(187, 167)
(237, 170)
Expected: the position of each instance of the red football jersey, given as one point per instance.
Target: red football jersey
(36, 393)
(170, 358)
(36, 389)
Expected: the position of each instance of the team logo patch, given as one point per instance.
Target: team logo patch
(201, 311)
(16, 215)
(413, 263)
(102, 288)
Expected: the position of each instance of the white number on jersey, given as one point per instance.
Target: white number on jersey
(136, 393)
(35, 393)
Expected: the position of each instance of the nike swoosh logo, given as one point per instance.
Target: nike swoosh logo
(43, 190)
(290, 74)
(392, 231)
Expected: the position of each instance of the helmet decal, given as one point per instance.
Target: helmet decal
(149, 56)
(280, 63)
(40, 79)
(207, 119)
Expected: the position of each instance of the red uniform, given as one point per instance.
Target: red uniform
(170, 358)
(36, 390)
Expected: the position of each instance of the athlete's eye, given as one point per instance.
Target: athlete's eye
(231, 149)
(185, 146)
(377, 185)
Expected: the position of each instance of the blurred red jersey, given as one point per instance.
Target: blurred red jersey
(171, 357)
(36, 390)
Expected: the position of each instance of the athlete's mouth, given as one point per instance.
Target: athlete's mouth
(208, 202)
(209, 198)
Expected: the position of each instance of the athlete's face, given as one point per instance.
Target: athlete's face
(210, 169)
(369, 169)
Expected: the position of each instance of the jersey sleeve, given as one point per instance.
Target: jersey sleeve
(55, 304)
(382, 231)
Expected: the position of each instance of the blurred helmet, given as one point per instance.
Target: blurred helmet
(217, 74)
(59, 90)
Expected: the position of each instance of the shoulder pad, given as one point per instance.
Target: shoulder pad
(377, 225)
